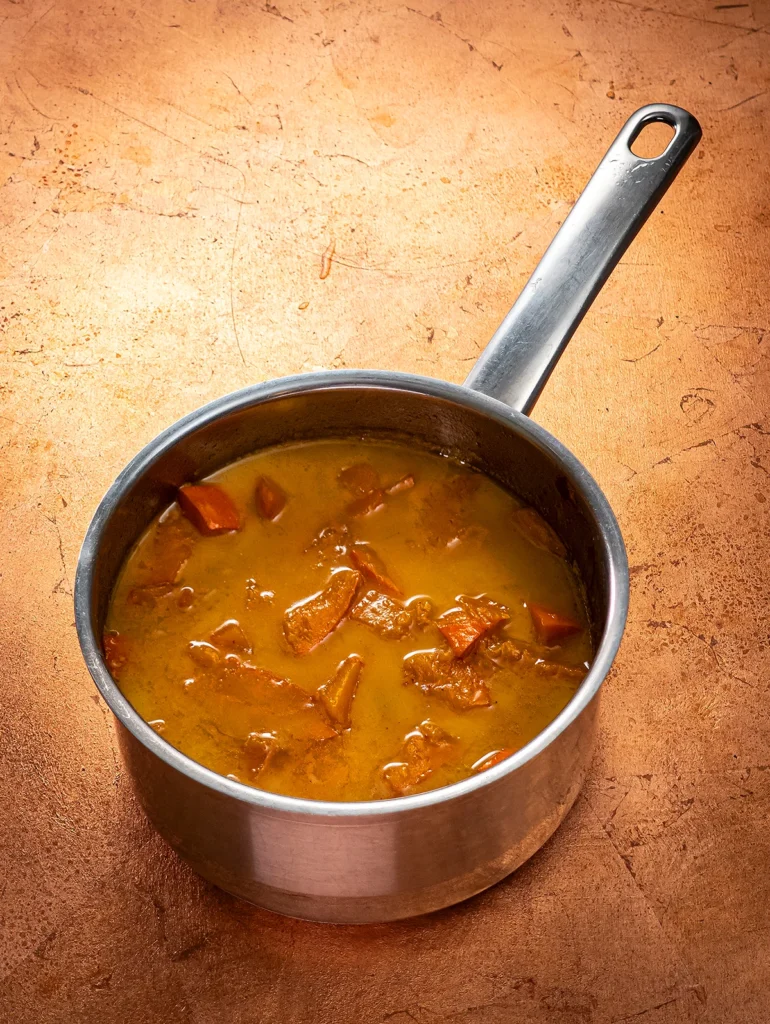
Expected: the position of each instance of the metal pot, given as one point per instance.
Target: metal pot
(383, 860)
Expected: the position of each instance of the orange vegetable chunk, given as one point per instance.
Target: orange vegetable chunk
(230, 636)
(422, 611)
(537, 531)
(283, 708)
(149, 595)
(366, 504)
(551, 627)
(259, 749)
(271, 498)
(360, 478)
(460, 682)
(170, 548)
(368, 562)
(406, 483)
(116, 651)
(383, 614)
(464, 625)
(507, 653)
(208, 508)
(310, 621)
(336, 696)
(425, 749)
(491, 759)
(446, 512)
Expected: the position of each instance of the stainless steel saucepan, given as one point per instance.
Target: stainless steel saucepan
(383, 860)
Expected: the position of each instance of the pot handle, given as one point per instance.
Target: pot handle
(621, 195)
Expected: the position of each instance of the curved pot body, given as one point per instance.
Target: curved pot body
(377, 860)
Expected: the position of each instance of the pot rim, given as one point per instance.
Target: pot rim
(352, 812)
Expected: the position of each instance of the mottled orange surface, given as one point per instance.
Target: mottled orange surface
(171, 174)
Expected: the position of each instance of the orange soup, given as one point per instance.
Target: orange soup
(348, 620)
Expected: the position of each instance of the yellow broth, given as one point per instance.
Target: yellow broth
(454, 532)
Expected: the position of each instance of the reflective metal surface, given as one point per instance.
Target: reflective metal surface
(621, 195)
(381, 860)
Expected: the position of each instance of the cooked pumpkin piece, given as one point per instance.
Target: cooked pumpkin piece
(150, 594)
(258, 750)
(209, 508)
(309, 622)
(230, 636)
(446, 512)
(329, 545)
(460, 682)
(422, 612)
(336, 696)
(370, 565)
(249, 647)
(406, 483)
(551, 627)
(161, 563)
(538, 532)
(530, 658)
(271, 498)
(425, 749)
(383, 614)
(465, 625)
(491, 759)
(366, 504)
(360, 478)
(116, 651)
(281, 706)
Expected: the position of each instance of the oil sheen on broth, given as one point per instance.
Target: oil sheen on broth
(347, 620)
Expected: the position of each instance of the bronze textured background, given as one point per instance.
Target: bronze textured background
(170, 173)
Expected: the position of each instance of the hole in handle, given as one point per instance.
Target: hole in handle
(652, 140)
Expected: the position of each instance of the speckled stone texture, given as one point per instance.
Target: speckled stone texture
(170, 175)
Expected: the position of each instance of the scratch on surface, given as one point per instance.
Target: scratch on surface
(272, 9)
(345, 156)
(326, 260)
(711, 440)
(701, 638)
(740, 103)
(37, 22)
(160, 131)
(640, 358)
(232, 271)
(641, 1013)
(53, 521)
(472, 47)
(37, 110)
(194, 117)
(645, 9)
(236, 88)
(629, 868)
(95, 697)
